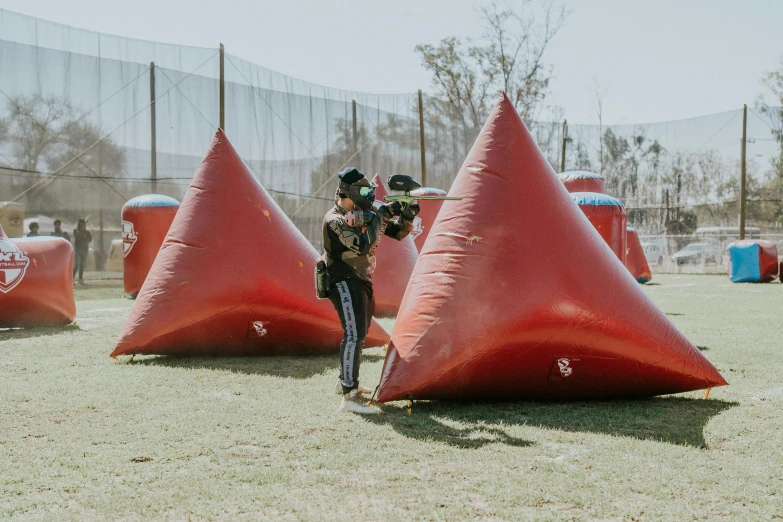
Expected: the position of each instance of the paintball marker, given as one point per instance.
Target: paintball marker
(406, 184)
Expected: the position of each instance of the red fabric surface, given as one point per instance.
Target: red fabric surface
(426, 218)
(150, 225)
(36, 282)
(585, 185)
(635, 260)
(611, 224)
(233, 277)
(515, 295)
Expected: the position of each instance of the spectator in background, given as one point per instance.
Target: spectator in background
(81, 246)
(33, 229)
(59, 232)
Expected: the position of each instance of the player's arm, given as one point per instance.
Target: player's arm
(401, 227)
(358, 235)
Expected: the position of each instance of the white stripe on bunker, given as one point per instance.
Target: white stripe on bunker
(350, 334)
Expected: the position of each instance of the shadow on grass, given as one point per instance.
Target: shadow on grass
(675, 420)
(302, 367)
(28, 332)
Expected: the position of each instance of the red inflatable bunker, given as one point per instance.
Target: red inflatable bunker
(429, 211)
(36, 281)
(607, 215)
(145, 222)
(395, 261)
(635, 260)
(534, 307)
(583, 181)
(234, 276)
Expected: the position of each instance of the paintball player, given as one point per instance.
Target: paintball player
(352, 230)
(59, 232)
(81, 247)
(33, 229)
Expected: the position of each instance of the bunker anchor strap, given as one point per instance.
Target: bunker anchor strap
(707, 394)
(371, 402)
(409, 407)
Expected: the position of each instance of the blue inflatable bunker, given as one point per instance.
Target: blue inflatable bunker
(753, 261)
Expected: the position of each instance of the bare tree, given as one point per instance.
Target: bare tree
(516, 42)
(599, 91)
(771, 104)
(46, 133)
(468, 75)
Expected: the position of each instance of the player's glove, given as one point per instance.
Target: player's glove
(395, 207)
(410, 211)
(359, 218)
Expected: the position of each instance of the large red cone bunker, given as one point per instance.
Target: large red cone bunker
(635, 260)
(233, 277)
(145, 221)
(426, 218)
(583, 181)
(607, 214)
(36, 281)
(516, 296)
(395, 260)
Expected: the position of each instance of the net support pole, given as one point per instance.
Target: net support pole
(743, 173)
(99, 265)
(563, 151)
(222, 88)
(153, 135)
(422, 148)
(354, 132)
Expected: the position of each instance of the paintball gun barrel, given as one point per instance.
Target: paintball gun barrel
(406, 184)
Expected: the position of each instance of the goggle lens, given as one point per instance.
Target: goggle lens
(366, 191)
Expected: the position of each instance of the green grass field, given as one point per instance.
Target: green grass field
(208, 438)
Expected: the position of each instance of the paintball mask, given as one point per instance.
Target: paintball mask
(363, 196)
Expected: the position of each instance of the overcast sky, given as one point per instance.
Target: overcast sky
(657, 59)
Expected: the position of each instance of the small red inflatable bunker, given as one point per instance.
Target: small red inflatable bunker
(607, 215)
(753, 261)
(583, 181)
(36, 281)
(395, 261)
(635, 260)
(145, 222)
(234, 276)
(514, 295)
(429, 211)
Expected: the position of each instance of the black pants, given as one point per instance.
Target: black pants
(354, 302)
(79, 260)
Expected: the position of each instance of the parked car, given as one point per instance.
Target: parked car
(698, 253)
(653, 253)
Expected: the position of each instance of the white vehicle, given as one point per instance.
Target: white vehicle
(654, 253)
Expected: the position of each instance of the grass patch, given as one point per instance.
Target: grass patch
(249, 438)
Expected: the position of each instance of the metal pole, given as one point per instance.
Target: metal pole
(222, 88)
(100, 251)
(354, 135)
(422, 148)
(563, 152)
(743, 173)
(153, 137)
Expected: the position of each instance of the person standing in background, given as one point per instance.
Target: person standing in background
(33, 229)
(59, 232)
(81, 246)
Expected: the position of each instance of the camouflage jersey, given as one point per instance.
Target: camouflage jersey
(350, 251)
